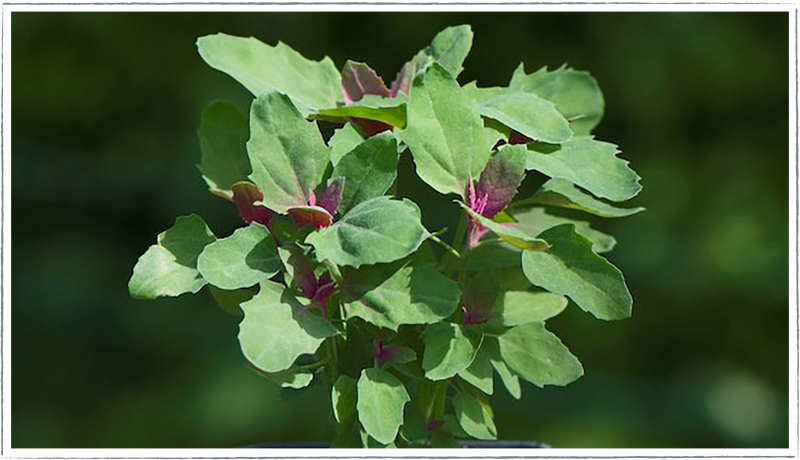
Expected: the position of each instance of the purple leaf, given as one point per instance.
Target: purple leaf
(480, 295)
(303, 274)
(499, 181)
(359, 79)
(370, 128)
(332, 196)
(402, 81)
(312, 216)
(245, 195)
(324, 289)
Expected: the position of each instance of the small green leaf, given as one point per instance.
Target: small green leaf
(509, 378)
(241, 260)
(445, 133)
(276, 329)
(588, 163)
(479, 373)
(563, 193)
(405, 292)
(343, 397)
(368, 170)
(292, 378)
(571, 268)
(381, 399)
(522, 307)
(576, 94)
(474, 416)
(448, 350)
(223, 137)
(230, 301)
(529, 115)
(376, 231)
(508, 231)
(287, 153)
(169, 267)
(481, 95)
(391, 111)
(343, 141)
(534, 221)
(538, 356)
(261, 68)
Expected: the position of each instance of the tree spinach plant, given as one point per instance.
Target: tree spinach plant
(340, 282)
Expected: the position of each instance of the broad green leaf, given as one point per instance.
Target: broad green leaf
(474, 416)
(448, 350)
(534, 221)
(381, 399)
(590, 164)
(450, 47)
(509, 378)
(529, 115)
(169, 267)
(344, 140)
(414, 426)
(495, 255)
(375, 231)
(405, 292)
(479, 373)
(230, 301)
(368, 170)
(571, 268)
(445, 133)
(287, 153)
(508, 231)
(522, 307)
(343, 397)
(538, 356)
(562, 193)
(481, 95)
(261, 68)
(576, 94)
(276, 329)
(223, 138)
(241, 260)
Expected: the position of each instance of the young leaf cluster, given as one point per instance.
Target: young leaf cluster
(338, 280)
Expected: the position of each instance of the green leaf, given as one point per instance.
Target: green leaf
(576, 94)
(570, 268)
(479, 373)
(381, 399)
(522, 307)
(230, 301)
(414, 426)
(343, 397)
(391, 111)
(241, 260)
(343, 141)
(169, 267)
(509, 378)
(534, 221)
(287, 153)
(495, 255)
(276, 329)
(474, 416)
(292, 378)
(508, 231)
(368, 170)
(448, 350)
(405, 292)
(223, 135)
(529, 115)
(590, 164)
(449, 48)
(564, 194)
(538, 356)
(375, 231)
(481, 95)
(445, 133)
(261, 68)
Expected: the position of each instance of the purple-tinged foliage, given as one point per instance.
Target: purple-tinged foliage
(245, 195)
(332, 196)
(358, 80)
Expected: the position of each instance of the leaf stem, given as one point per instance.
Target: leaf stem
(451, 250)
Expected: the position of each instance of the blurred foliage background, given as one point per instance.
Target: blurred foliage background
(105, 108)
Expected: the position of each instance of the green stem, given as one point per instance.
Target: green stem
(448, 261)
(451, 250)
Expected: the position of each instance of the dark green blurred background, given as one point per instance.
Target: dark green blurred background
(105, 109)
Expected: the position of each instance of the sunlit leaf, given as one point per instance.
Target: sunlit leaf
(381, 399)
(538, 356)
(223, 138)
